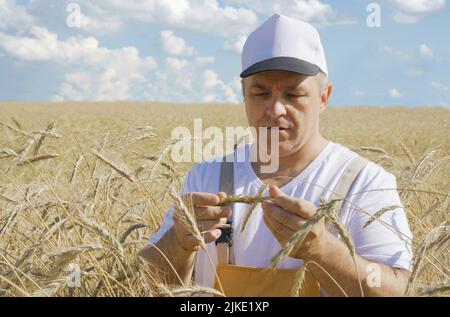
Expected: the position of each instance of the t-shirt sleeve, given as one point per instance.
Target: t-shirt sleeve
(191, 184)
(387, 240)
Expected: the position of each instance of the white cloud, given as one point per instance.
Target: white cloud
(212, 85)
(91, 71)
(174, 45)
(390, 50)
(411, 11)
(236, 84)
(405, 18)
(415, 72)
(425, 50)
(444, 92)
(190, 80)
(230, 94)
(406, 56)
(44, 45)
(236, 45)
(14, 16)
(176, 63)
(203, 60)
(358, 93)
(439, 86)
(209, 98)
(313, 11)
(211, 79)
(394, 93)
(107, 25)
(206, 16)
(420, 6)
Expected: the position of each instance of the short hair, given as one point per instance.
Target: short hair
(322, 81)
(321, 78)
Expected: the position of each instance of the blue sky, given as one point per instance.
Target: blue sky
(189, 50)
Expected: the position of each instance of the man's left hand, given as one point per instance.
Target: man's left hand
(285, 215)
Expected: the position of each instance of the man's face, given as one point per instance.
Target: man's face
(287, 100)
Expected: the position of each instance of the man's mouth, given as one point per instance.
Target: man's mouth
(279, 128)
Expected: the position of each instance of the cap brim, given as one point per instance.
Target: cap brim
(282, 63)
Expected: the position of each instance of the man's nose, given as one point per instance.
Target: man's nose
(276, 109)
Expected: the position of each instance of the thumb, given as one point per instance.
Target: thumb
(294, 205)
(275, 191)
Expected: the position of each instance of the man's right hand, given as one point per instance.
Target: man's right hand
(209, 216)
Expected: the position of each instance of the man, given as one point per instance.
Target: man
(285, 86)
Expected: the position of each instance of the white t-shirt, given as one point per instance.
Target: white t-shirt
(257, 245)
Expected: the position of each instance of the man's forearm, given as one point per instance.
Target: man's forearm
(181, 260)
(334, 257)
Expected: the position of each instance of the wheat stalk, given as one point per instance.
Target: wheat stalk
(60, 258)
(433, 238)
(5, 152)
(11, 217)
(250, 200)
(75, 169)
(379, 213)
(51, 288)
(298, 237)
(435, 289)
(299, 279)
(101, 231)
(408, 153)
(41, 137)
(194, 291)
(119, 169)
(21, 154)
(348, 242)
(16, 122)
(373, 149)
(7, 199)
(183, 212)
(37, 158)
(20, 131)
(343, 233)
(253, 206)
(99, 149)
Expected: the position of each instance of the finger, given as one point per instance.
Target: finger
(180, 228)
(207, 225)
(281, 232)
(290, 220)
(298, 206)
(222, 196)
(212, 235)
(212, 212)
(204, 199)
(190, 242)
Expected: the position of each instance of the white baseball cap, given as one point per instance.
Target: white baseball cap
(283, 43)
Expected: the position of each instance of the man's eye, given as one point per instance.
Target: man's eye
(261, 94)
(295, 96)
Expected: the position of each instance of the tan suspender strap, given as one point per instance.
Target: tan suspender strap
(343, 186)
(224, 252)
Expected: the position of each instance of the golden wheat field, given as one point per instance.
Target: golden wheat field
(82, 186)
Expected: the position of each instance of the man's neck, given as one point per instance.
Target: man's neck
(294, 164)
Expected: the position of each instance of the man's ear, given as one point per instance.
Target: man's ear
(324, 97)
